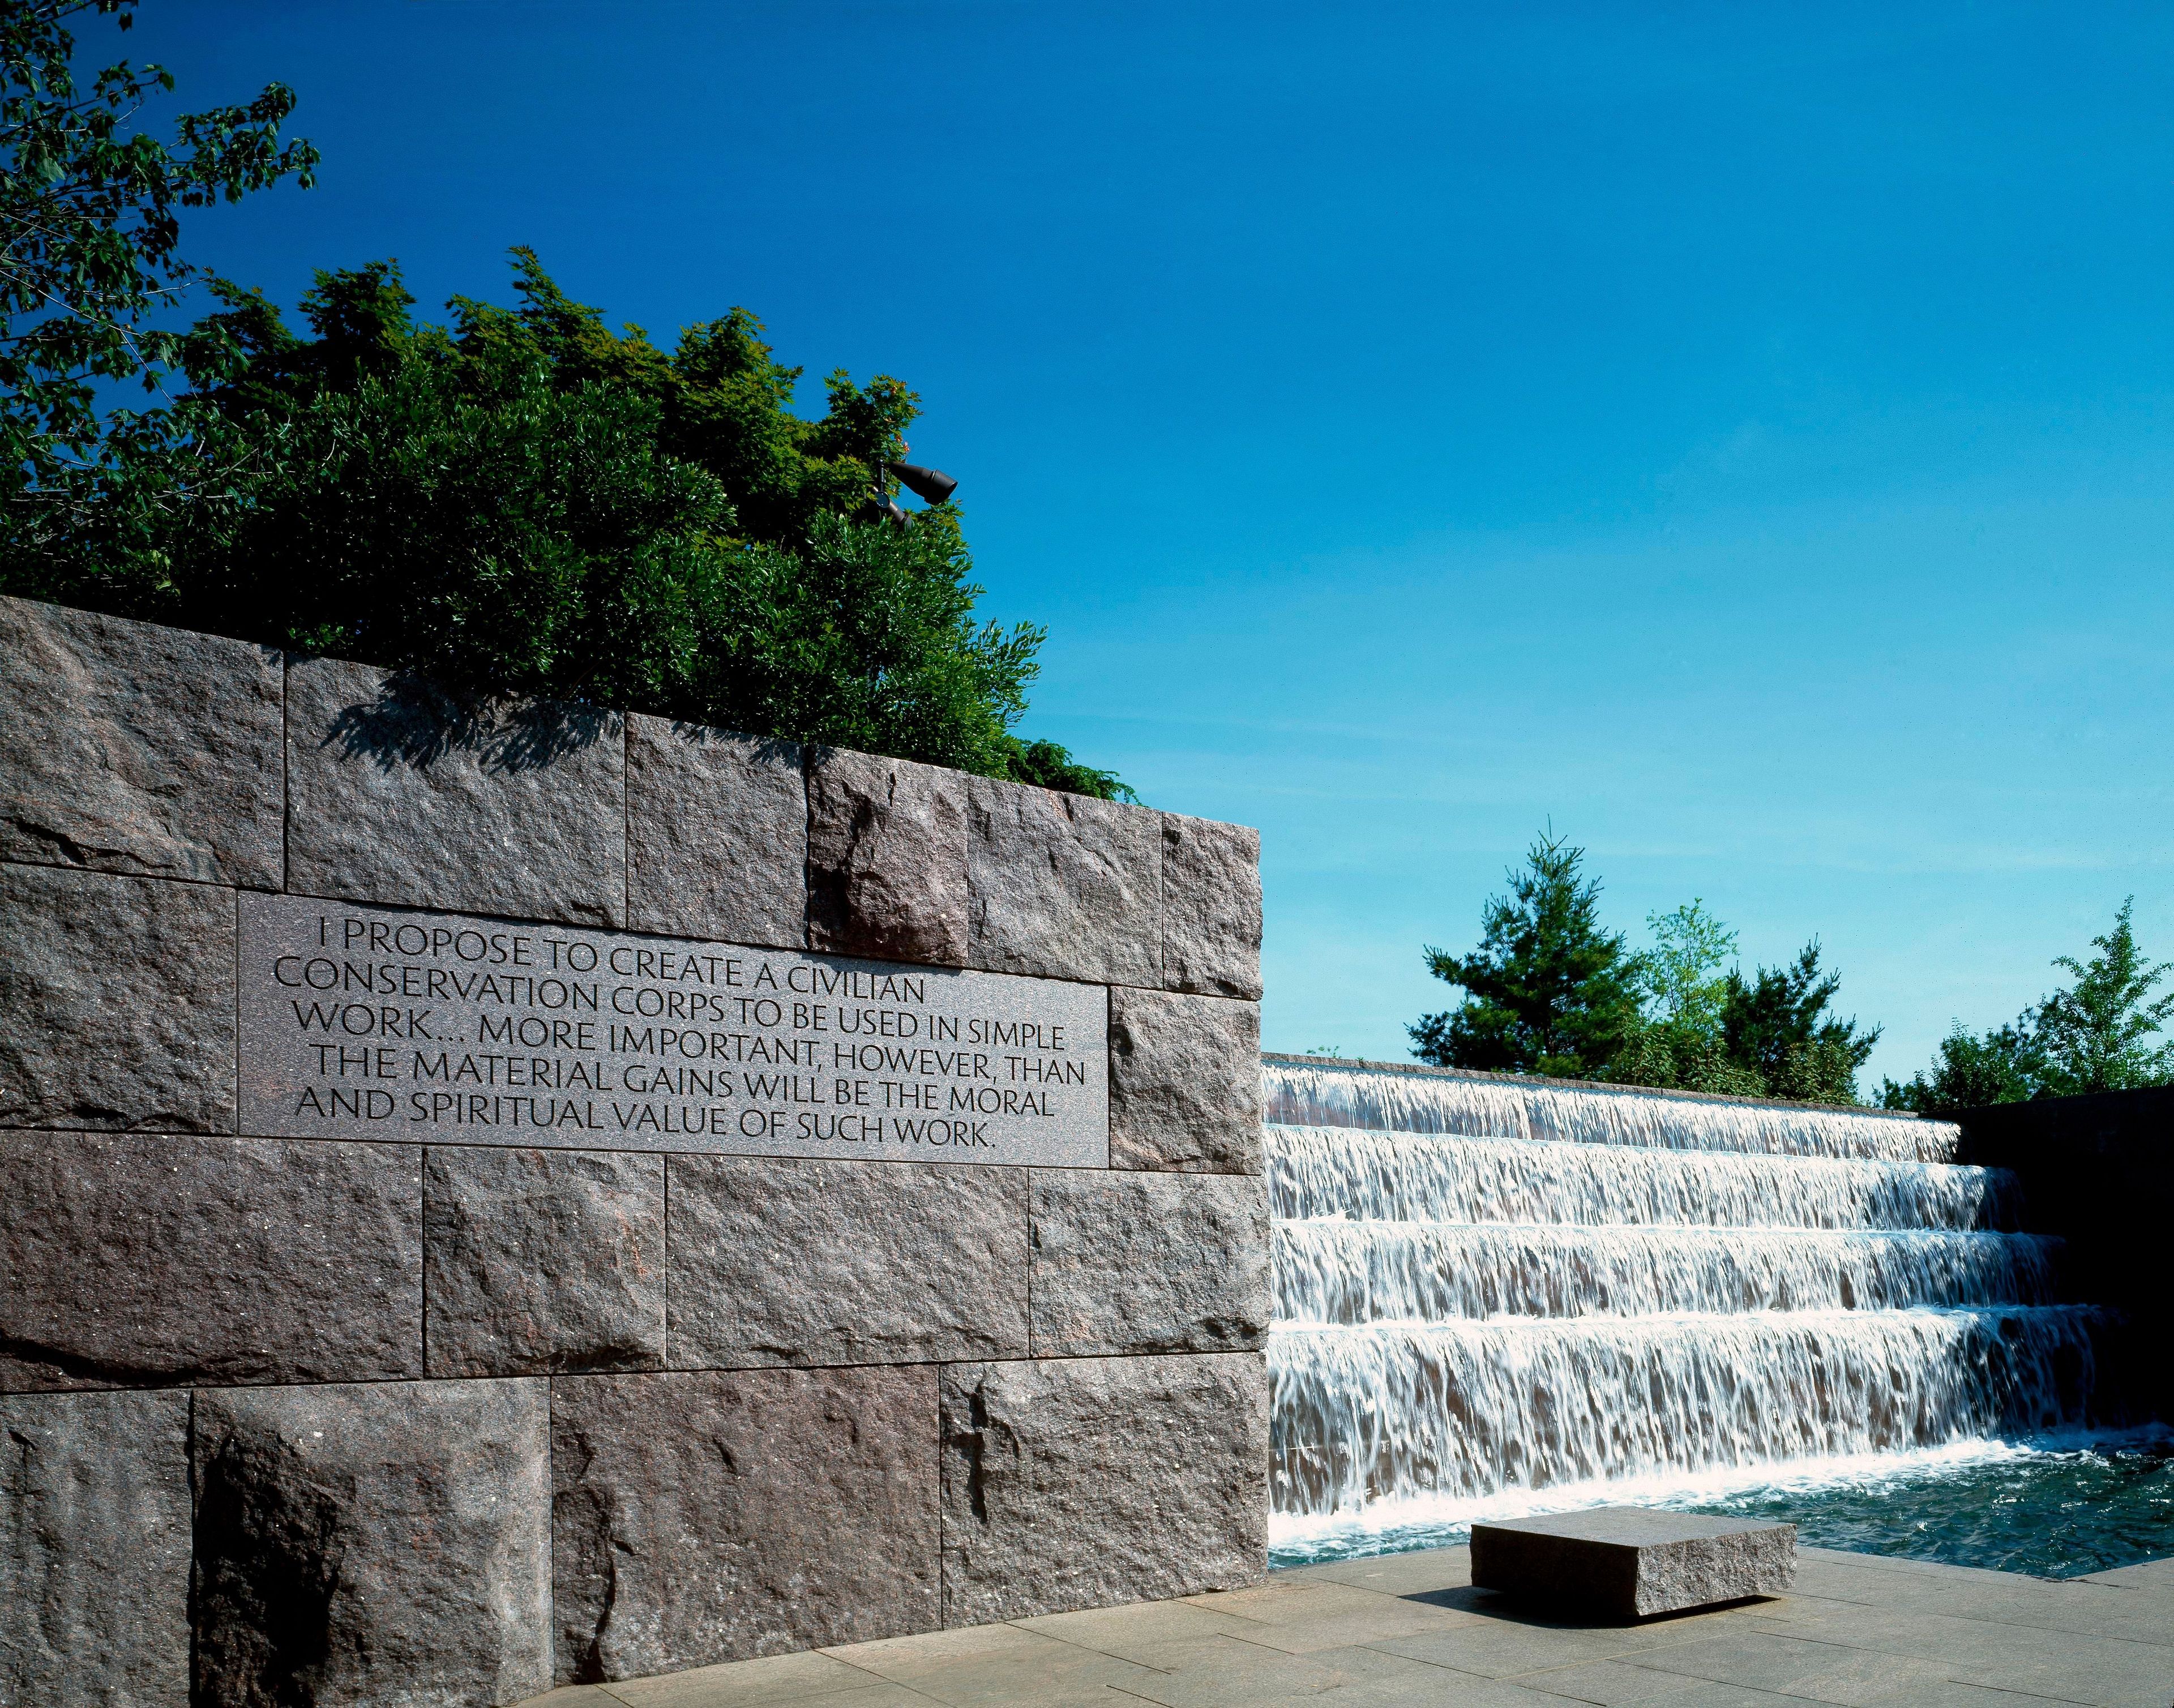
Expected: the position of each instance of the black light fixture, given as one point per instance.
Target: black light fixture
(931, 485)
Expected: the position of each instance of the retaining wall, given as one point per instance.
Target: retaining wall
(2099, 1171)
(313, 1392)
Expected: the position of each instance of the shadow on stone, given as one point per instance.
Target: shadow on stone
(267, 1564)
(417, 722)
(1514, 1608)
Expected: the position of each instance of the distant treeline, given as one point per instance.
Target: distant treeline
(1550, 991)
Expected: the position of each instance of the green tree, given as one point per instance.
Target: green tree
(1777, 1024)
(2095, 1035)
(1972, 1069)
(89, 218)
(528, 502)
(523, 501)
(1681, 1042)
(1547, 991)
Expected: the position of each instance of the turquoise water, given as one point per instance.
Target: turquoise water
(2053, 1509)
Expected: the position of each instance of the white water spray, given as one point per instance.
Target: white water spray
(1487, 1289)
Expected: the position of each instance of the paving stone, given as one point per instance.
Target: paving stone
(1148, 1262)
(94, 1550)
(1041, 1516)
(801, 1262)
(1423, 1571)
(127, 747)
(383, 1543)
(1185, 1083)
(543, 1261)
(1241, 1672)
(1499, 1647)
(998, 1664)
(698, 1690)
(1140, 1632)
(1820, 1671)
(809, 1676)
(141, 1259)
(719, 1516)
(1307, 1619)
(1063, 886)
(2026, 1658)
(717, 835)
(886, 858)
(119, 999)
(1640, 1685)
(1211, 907)
(1629, 1562)
(403, 793)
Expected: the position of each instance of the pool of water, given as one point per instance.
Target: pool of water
(2054, 1508)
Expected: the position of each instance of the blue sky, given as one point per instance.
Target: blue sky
(1736, 434)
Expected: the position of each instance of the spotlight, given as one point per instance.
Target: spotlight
(932, 485)
(929, 483)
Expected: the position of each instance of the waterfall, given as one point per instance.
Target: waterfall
(1485, 1286)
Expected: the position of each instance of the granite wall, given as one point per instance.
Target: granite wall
(361, 1421)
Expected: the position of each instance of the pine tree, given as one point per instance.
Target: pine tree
(1547, 991)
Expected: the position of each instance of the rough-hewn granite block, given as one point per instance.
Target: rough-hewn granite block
(718, 1514)
(538, 1262)
(1630, 1563)
(1078, 1483)
(886, 858)
(1127, 1261)
(399, 792)
(1211, 907)
(139, 1259)
(94, 1550)
(361, 1546)
(776, 1261)
(1185, 1083)
(717, 835)
(1063, 886)
(118, 999)
(125, 747)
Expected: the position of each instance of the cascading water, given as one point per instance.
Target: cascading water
(1486, 1288)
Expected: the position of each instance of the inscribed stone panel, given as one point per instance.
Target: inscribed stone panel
(366, 1022)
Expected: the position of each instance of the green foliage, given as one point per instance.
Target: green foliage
(1970, 1070)
(526, 501)
(89, 214)
(1776, 1024)
(508, 503)
(1547, 991)
(2094, 1035)
(1682, 1041)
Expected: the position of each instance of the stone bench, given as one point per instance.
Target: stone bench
(1630, 1562)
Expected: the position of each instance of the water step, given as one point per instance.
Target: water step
(1468, 1409)
(1402, 1099)
(1351, 1272)
(1490, 1288)
(1327, 1171)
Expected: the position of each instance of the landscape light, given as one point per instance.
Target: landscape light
(931, 485)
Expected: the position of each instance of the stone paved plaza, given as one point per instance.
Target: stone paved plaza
(1859, 1629)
